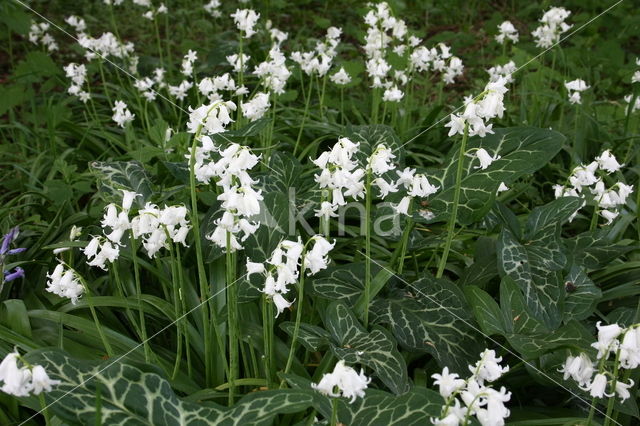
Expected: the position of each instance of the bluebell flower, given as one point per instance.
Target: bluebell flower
(5, 250)
(18, 272)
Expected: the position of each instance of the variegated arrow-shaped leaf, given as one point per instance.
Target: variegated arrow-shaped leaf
(377, 349)
(595, 249)
(115, 176)
(132, 396)
(536, 264)
(431, 315)
(542, 287)
(582, 295)
(523, 150)
(377, 408)
(341, 282)
(312, 337)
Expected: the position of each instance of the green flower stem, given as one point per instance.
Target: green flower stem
(594, 219)
(375, 103)
(45, 411)
(367, 250)
(267, 335)
(627, 120)
(304, 116)
(158, 43)
(342, 105)
(184, 319)
(232, 310)
(592, 410)
(324, 85)
(334, 411)
(167, 40)
(254, 359)
(113, 22)
(104, 83)
(384, 112)
(296, 328)
(105, 342)
(269, 139)
(265, 342)
(202, 276)
(612, 399)
(136, 274)
(405, 241)
(175, 285)
(456, 199)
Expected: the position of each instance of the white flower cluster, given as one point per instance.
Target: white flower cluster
(478, 111)
(113, 2)
(22, 381)
(65, 283)
(38, 34)
(121, 114)
(256, 107)
(281, 269)
(277, 36)
(240, 200)
(210, 119)
(156, 226)
(386, 33)
(417, 185)
(213, 8)
(505, 71)
(506, 31)
(607, 200)
(77, 23)
(152, 13)
(553, 26)
(245, 20)
(340, 174)
(211, 87)
(273, 71)
(479, 398)
(238, 62)
(146, 84)
(187, 62)
(78, 75)
(104, 46)
(341, 77)
(623, 344)
(343, 381)
(181, 90)
(383, 29)
(437, 59)
(319, 60)
(574, 88)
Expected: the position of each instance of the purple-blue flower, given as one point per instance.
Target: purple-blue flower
(18, 272)
(9, 238)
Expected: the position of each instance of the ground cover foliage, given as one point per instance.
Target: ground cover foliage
(315, 212)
